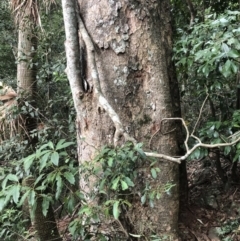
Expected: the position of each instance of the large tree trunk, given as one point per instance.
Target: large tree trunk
(132, 43)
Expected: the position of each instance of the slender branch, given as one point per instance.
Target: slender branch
(189, 151)
(166, 157)
(192, 11)
(185, 126)
(200, 113)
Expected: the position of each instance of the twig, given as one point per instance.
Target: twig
(149, 143)
(200, 113)
(189, 151)
(186, 129)
(122, 228)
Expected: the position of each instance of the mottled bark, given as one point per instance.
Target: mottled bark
(26, 68)
(132, 41)
(27, 71)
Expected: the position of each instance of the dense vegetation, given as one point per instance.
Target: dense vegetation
(206, 55)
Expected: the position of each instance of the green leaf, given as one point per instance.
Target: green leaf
(197, 153)
(205, 69)
(2, 203)
(71, 202)
(227, 150)
(70, 177)
(116, 210)
(31, 197)
(238, 145)
(124, 185)
(226, 69)
(141, 153)
(143, 198)
(151, 203)
(158, 195)
(43, 161)
(102, 184)
(62, 144)
(50, 144)
(44, 146)
(12, 177)
(234, 68)
(55, 158)
(225, 48)
(154, 173)
(28, 162)
(85, 210)
(115, 183)
(129, 181)
(51, 177)
(23, 198)
(216, 141)
(224, 138)
(110, 161)
(4, 183)
(236, 157)
(45, 205)
(16, 193)
(233, 53)
(216, 134)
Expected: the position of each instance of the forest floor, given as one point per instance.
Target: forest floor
(213, 210)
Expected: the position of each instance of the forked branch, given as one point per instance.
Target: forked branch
(188, 150)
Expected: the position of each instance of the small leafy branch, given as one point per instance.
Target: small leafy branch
(48, 174)
(117, 175)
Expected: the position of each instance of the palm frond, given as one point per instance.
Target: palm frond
(27, 9)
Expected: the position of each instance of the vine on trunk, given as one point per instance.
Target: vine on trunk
(115, 117)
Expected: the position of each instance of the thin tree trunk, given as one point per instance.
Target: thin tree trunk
(27, 72)
(27, 91)
(26, 68)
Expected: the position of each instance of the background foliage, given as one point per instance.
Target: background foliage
(206, 55)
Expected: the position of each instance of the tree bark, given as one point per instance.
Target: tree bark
(26, 68)
(27, 89)
(27, 72)
(132, 42)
